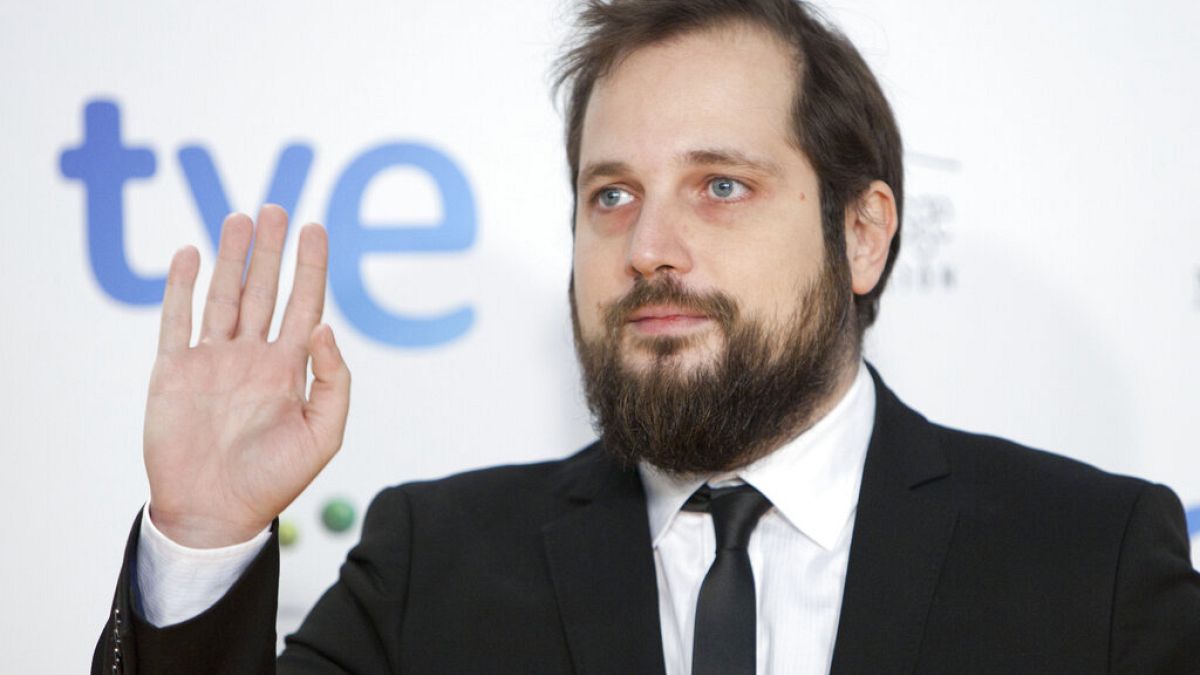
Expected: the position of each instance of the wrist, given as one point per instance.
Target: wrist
(201, 532)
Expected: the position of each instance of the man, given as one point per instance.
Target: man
(758, 501)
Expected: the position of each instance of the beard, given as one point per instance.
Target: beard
(763, 388)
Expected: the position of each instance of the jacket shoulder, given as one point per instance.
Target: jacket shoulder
(997, 479)
(506, 496)
(495, 481)
(987, 461)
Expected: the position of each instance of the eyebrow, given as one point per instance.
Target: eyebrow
(702, 157)
(730, 157)
(596, 170)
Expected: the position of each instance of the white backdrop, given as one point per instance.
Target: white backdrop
(1049, 290)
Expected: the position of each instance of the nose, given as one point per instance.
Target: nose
(658, 243)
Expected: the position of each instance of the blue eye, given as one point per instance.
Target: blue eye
(726, 188)
(612, 197)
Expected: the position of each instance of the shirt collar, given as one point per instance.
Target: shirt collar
(812, 480)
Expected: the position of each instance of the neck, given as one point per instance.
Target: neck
(843, 379)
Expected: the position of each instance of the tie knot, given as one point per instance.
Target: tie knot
(735, 511)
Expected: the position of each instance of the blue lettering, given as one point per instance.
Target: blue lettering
(349, 240)
(1193, 521)
(103, 164)
(211, 200)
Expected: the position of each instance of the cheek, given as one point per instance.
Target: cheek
(769, 267)
(594, 284)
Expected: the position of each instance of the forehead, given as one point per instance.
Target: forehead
(730, 86)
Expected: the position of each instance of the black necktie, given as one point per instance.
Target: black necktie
(725, 637)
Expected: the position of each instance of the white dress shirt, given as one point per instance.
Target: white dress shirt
(176, 582)
(798, 551)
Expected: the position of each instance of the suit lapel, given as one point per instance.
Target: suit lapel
(602, 566)
(901, 534)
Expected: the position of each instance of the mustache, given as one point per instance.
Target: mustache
(669, 290)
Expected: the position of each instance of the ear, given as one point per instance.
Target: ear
(871, 223)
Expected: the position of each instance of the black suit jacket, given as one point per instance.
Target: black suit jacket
(970, 554)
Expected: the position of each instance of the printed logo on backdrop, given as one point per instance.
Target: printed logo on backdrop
(924, 264)
(103, 163)
(1193, 514)
(1193, 525)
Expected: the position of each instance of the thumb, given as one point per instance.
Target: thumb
(329, 395)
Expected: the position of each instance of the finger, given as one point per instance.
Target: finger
(175, 329)
(262, 281)
(307, 300)
(329, 396)
(225, 290)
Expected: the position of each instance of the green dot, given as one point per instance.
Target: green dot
(338, 515)
(288, 533)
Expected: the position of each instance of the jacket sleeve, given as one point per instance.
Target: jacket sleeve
(1156, 602)
(235, 635)
(353, 629)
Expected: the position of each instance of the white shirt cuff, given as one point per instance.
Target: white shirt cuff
(177, 583)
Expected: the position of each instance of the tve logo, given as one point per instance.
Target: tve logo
(103, 163)
(1193, 526)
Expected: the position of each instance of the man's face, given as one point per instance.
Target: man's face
(709, 322)
(687, 170)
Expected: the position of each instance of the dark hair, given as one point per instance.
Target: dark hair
(841, 120)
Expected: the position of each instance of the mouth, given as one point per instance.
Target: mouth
(667, 320)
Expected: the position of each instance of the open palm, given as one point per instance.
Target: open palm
(231, 435)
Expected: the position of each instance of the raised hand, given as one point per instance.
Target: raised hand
(231, 437)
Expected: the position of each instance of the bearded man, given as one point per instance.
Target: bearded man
(758, 500)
